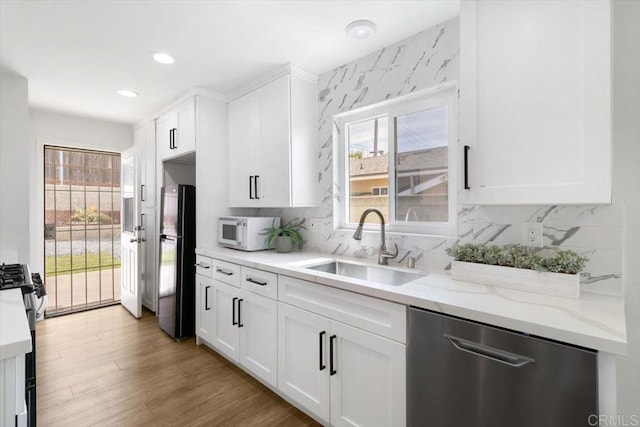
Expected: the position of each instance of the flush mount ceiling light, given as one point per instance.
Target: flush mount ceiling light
(128, 93)
(361, 29)
(163, 58)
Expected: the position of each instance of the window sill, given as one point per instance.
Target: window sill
(395, 233)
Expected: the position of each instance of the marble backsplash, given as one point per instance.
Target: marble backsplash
(425, 60)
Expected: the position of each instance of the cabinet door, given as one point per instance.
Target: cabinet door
(185, 138)
(225, 338)
(148, 165)
(368, 386)
(303, 364)
(244, 150)
(204, 307)
(164, 125)
(258, 325)
(275, 124)
(535, 101)
(149, 265)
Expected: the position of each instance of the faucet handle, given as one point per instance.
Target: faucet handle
(390, 254)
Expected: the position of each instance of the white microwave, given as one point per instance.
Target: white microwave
(243, 232)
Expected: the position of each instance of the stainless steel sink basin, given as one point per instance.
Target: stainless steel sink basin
(365, 272)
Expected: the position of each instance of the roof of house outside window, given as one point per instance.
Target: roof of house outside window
(423, 160)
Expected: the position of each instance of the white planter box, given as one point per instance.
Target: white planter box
(556, 284)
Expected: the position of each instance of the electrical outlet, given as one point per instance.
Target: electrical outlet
(532, 234)
(316, 225)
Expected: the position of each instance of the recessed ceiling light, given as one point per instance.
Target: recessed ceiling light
(361, 29)
(163, 58)
(128, 93)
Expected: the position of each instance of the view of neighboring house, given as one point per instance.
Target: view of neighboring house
(422, 178)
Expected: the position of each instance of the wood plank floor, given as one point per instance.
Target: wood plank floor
(103, 367)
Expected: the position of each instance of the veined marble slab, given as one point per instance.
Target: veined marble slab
(592, 321)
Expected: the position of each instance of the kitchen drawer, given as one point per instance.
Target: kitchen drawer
(204, 266)
(259, 282)
(371, 314)
(226, 272)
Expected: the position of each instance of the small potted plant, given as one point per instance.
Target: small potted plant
(285, 236)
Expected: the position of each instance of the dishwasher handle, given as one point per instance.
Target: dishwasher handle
(495, 354)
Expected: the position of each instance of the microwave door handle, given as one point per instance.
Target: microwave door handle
(241, 230)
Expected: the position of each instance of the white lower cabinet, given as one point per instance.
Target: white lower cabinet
(239, 324)
(303, 358)
(344, 375)
(369, 384)
(322, 348)
(205, 319)
(226, 337)
(259, 336)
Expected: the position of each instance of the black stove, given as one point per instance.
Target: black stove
(12, 276)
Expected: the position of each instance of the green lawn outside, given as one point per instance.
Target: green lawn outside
(67, 264)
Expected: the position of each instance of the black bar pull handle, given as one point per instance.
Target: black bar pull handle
(255, 282)
(233, 314)
(142, 193)
(206, 298)
(256, 185)
(170, 139)
(174, 138)
(466, 167)
(251, 187)
(321, 351)
(240, 324)
(223, 271)
(332, 371)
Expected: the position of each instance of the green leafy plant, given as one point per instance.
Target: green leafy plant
(91, 215)
(554, 261)
(290, 229)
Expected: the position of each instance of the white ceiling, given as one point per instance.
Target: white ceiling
(76, 54)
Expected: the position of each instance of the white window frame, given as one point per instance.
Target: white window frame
(443, 95)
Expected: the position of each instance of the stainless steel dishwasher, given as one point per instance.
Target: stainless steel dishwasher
(466, 374)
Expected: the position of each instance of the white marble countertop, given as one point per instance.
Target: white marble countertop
(15, 337)
(593, 321)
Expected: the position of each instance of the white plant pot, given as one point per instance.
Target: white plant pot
(556, 284)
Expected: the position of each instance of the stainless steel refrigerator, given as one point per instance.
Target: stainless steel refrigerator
(176, 296)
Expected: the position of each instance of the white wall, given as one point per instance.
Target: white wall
(14, 167)
(53, 128)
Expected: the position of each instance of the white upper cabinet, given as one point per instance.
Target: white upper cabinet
(535, 101)
(145, 139)
(272, 144)
(244, 139)
(177, 131)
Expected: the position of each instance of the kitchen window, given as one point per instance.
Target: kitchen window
(399, 156)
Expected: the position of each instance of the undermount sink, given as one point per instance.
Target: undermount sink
(365, 272)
